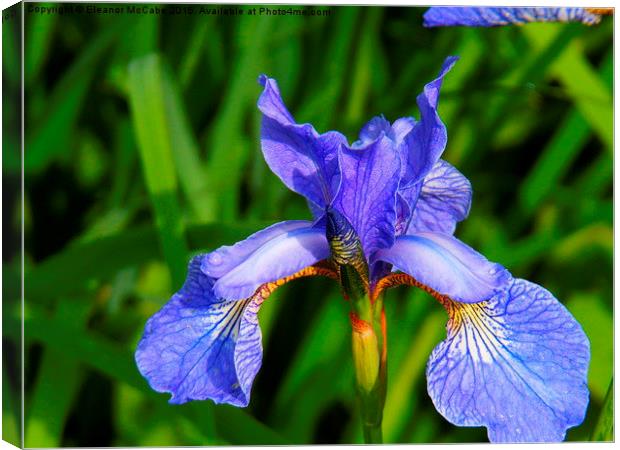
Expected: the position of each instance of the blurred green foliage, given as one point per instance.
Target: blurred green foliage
(142, 148)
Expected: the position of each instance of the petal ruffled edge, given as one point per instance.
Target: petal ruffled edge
(270, 101)
(305, 161)
(444, 200)
(200, 346)
(516, 364)
(372, 131)
(424, 144)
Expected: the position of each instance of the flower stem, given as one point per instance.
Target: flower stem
(370, 370)
(372, 434)
(370, 362)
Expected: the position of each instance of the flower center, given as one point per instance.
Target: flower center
(347, 253)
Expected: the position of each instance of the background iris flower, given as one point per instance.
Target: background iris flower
(385, 209)
(482, 16)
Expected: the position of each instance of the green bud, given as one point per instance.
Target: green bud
(366, 356)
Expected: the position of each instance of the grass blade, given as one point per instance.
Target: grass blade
(58, 382)
(321, 370)
(554, 161)
(11, 412)
(53, 135)
(148, 110)
(190, 168)
(402, 389)
(227, 150)
(604, 430)
(192, 54)
(583, 85)
(595, 318)
(321, 105)
(39, 31)
(362, 72)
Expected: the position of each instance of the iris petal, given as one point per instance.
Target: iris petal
(444, 200)
(277, 258)
(200, 346)
(406, 199)
(367, 194)
(401, 127)
(489, 17)
(403, 214)
(446, 265)
(426, 141)
(226, 258)
(516, 364)
(373, 130)
(306, 161)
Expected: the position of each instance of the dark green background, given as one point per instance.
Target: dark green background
(142, 147)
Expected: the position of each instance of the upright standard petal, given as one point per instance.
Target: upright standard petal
(444, 200)
(439, 16)
(367, 194)
(373, 130)
(426, 141)
(379, 126)
(401, 128)
(276, 258)
(305, 161)
(516, 364)
(447, 266)
(200, 346)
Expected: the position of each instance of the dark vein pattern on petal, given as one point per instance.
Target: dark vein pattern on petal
(444, 200)
(516, 364)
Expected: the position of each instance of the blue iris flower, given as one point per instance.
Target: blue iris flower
(439, 16)
(514, 360)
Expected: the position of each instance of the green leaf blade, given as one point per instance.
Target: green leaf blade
(148, 109)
